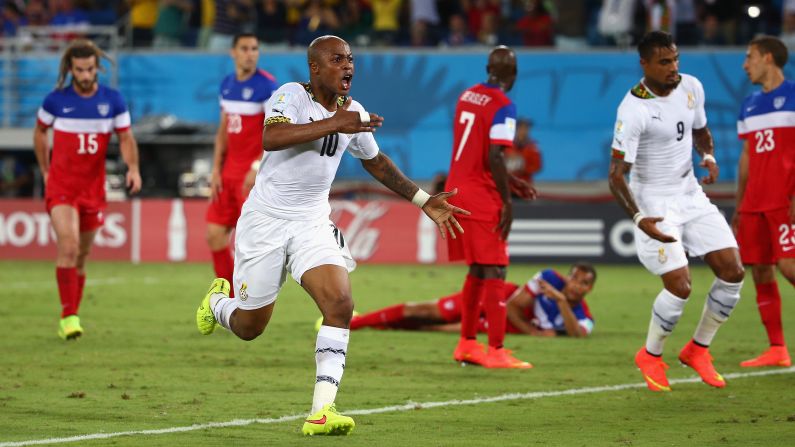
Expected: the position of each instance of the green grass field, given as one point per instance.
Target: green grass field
(143, 366)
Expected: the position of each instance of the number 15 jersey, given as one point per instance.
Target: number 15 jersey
(484, 116)
(767, 123)
(294, 183)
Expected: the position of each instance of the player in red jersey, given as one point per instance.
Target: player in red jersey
(238, 147)
(765, 218)
(485, 124)
(548, 305)
(83, 114)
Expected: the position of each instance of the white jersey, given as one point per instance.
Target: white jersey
(655, 135)
(294, 183)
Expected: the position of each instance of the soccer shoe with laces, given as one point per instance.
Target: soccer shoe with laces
(774, 356)
(653, 370)
(699, 358)
(328, 422)
(69, 328)
(470, 351)
(205, 319)
(503, 358)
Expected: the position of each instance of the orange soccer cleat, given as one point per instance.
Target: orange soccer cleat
(699, 358)
(502, 358)
(470, 351)
(774, 356)
(653, 370)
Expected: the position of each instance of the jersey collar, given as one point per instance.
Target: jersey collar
(308, 87)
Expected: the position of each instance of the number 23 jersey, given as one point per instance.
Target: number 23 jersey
(767, 124)
(294, 183)
(654, 133)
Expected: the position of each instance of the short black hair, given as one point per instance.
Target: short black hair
(584, 266)
(652, 41)
(771, 45)
(239, 36)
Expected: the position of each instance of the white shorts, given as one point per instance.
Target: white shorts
(267, 248)
(697, 225)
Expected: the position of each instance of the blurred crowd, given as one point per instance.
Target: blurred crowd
(567, 24)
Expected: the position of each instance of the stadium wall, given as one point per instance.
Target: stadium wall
(571, 97)
(153, 230)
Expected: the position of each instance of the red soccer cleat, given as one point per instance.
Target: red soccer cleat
(502, 358)
(699, 358)
(653, 370)
(470, 351)
(774, 356)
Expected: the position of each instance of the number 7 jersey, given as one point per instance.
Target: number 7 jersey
(767, 124)
(484, 116)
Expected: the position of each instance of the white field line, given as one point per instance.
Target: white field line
(393, 408)
(51, 284)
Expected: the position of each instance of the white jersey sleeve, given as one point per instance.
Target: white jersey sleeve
(631, 121)
(286, 104)
(700, 118)
(362, 145)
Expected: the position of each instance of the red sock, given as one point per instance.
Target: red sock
(81, 282)
(224, 265)
(67, 289)
(387, 316)
(470, 306)
(768, 300)
(494, 303)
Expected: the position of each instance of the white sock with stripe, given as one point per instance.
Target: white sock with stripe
(665, 313)
(721, 300)
(330, 351)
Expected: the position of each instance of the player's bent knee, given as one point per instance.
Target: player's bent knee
(733, 274)
(338, 310)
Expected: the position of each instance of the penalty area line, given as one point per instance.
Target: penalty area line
(389, 409)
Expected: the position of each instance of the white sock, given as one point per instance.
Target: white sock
(222, 307)
(721, 300)
(330, 351)
(665, 314)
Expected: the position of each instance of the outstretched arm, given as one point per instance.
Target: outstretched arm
(618, 186)
(436, 207)
(702, 138)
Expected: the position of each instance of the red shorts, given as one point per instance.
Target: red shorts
(450, 307)
(90, 209)
(226, 209)
(480, 244)
(765, 237)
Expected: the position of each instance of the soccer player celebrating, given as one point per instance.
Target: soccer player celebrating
(485, 124)
(284, 226)
(658, 123)
(765, 218)
(549, 304)
(238, 147)
(83, 114)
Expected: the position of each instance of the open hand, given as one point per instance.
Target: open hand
(441, 212)
(349, 122)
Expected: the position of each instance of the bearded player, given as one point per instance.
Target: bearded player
(83, 114)
(238, 147)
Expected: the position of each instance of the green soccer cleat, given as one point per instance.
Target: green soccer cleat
(69, 328)
(328, 422)
(205, 320)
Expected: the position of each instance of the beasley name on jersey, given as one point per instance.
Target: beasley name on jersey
(82, 128)
(767, 123)
(546, 313)
(244, 106)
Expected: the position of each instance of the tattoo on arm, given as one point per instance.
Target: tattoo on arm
(702, 139)
(384, 170)
(618, 186)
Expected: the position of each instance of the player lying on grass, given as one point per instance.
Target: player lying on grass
(549, 304)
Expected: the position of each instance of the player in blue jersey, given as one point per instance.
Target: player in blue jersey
(549, 304)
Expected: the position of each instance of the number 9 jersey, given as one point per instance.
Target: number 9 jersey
(767, 124)
(82, 127)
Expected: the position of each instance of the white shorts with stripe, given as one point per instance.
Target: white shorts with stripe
(267, 248)
(697, 224)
